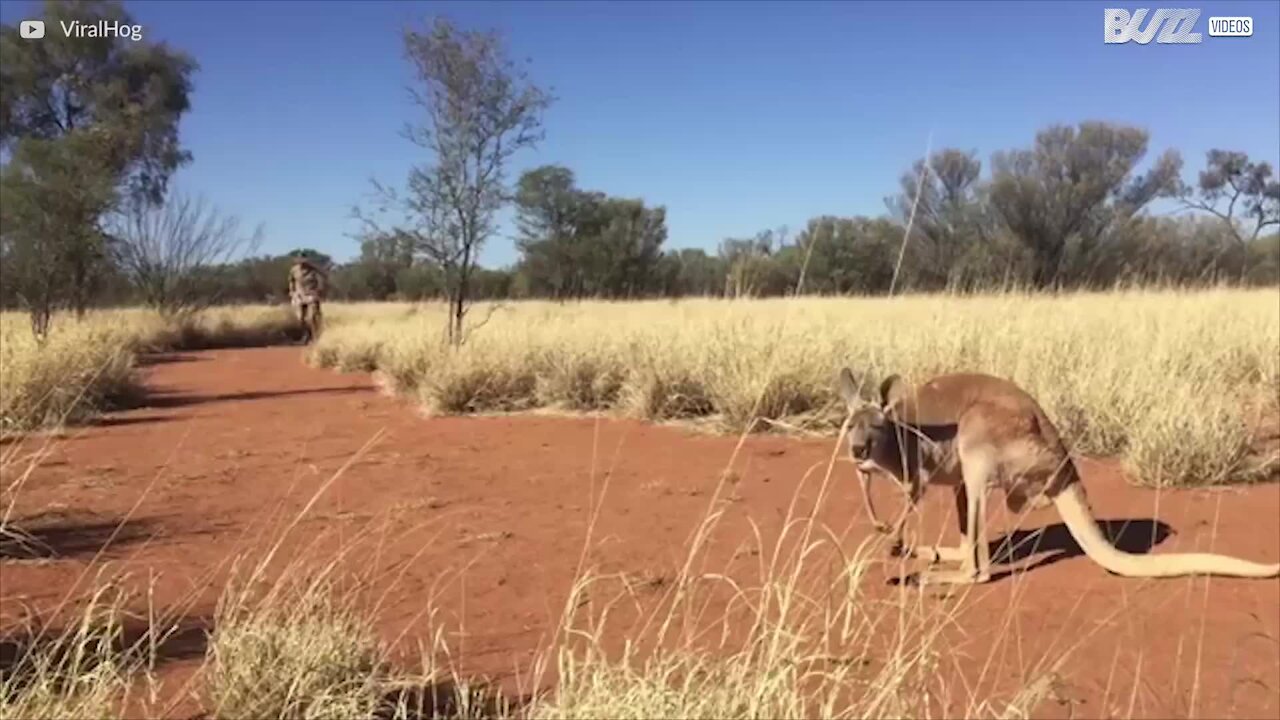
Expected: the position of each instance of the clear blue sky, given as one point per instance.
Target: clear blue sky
(735, 116)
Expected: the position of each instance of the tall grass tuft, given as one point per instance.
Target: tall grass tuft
(79, 371)
(86, 366)
(299, 650)
(79, 672)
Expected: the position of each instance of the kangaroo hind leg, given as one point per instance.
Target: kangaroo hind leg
(975, 560)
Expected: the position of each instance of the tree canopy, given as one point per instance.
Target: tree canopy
(86, 125)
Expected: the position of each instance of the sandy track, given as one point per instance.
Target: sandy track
(233, 441)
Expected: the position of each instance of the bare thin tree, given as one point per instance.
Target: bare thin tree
(480, 110)
(169, 251)
(1237, 191)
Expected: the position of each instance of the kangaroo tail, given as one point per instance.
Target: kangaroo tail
(1073, 508)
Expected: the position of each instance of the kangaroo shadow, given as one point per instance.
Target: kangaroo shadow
(42, 537)
(61, 654)
(164, 358)
(1137, 536)
(128, 421)
(177, 400)
(447, 700)
(195, 339)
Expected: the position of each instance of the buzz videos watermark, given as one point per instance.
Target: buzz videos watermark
(1168, 26)
(35, 29)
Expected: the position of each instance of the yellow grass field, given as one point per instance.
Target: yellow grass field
(1175, 383)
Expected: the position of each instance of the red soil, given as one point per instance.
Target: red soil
(485, 519)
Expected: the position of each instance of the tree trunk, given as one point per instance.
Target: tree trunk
(79, 289)
(458, 304)
(1048, 265)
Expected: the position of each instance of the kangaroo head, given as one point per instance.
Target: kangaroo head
(872, 437)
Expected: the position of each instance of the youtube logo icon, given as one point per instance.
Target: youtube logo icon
(31, 29)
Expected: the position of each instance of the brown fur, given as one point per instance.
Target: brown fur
(976, 433)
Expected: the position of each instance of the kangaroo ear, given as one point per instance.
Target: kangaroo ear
(892, 389)
(849, 389)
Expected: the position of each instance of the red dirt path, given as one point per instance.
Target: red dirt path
(232, 441)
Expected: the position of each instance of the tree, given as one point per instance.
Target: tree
(950, 222)
(690, 271)
(383, 257)
(87, 122)
(547, 205)
(1264, 260)
(615, 246)
(749, 266)
(548, 216)
(848, 255)
(256, 279)
(1074, 185)
(167, 250)
(575, 243)
(631, 237)
(419, 281)
(480, 111)
(49, 203)
(1244, 185)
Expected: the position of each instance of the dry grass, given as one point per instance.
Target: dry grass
(78, 672)
(82, 369)
(301, 651)
(246, 326)
(796, 636)
(87, 366)
(299, 646)
(1173, 382)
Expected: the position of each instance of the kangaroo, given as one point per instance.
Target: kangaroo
(977, 432)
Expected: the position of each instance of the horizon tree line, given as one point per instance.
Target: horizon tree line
(89, 140)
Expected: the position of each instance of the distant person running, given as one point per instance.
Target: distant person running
(307, 285)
